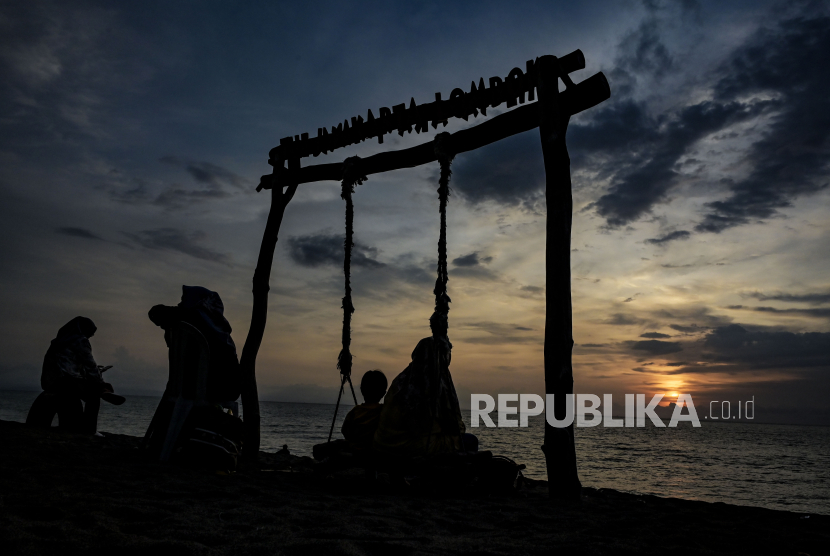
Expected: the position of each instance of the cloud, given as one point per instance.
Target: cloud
(471, 260)
(812, 298)
(822, 313)
(327, 250)
(78, 232)
(622, 319)
(791, 158)
(510, 172)
(654, 335)
(207, 173)
(173, 239)
(733, 348)
(645, 170)
(498, 333)
(472, 266)
(772, 77)
(654, 347)
(679, 234)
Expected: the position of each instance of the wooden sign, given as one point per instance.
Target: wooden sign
(516, 88)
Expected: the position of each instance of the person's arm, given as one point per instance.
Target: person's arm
(86, 362)
(348, 425)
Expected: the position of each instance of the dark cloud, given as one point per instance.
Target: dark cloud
(654, 347)
(210, 182)
(622, 319)
(679, 234)
(791, 158)
(812, 298)
(327, 250)
(510, 172)
(654, 335)
(643, 52)
(209, 174)
(644, 173)
(688, 265)
(734, 349)
(78, 232)
(472, 266)
(775, 73)
(471, 260)
(687, 329)
(815, 313)
(173, 239)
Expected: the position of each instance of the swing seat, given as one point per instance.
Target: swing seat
(186, 390)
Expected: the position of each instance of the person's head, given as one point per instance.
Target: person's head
(78, 326)
(373, 386)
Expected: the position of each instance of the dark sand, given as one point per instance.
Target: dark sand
(64, 493)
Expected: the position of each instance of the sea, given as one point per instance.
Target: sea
(782, 467)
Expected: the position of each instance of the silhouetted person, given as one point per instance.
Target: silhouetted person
(70, 371)
(204, 310)
(420, 415)
(362, 421)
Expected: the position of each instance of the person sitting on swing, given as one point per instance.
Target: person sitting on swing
(421, 415)
(70, 369)
(204, 310)
(362, 421)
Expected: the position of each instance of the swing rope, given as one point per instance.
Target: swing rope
(439, 321)
(352, 176)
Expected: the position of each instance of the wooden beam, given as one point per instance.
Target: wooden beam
(574, 100)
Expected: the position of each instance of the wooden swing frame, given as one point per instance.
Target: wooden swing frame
(551, 114)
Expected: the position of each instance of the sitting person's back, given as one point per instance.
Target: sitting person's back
(421, 415)
(203, 309)
(362, 421)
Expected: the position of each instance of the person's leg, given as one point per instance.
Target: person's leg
(92, 404)
(91, 395)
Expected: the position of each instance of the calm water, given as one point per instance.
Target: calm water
(774, 466)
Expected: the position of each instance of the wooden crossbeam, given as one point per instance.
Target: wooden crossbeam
(582, 96)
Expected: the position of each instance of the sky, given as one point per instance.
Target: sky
(133, 135)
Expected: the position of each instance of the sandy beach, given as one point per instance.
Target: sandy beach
(62, 493)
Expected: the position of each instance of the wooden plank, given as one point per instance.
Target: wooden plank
(580, 97)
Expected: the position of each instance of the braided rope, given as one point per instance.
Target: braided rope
(351, 177)
(439, 321)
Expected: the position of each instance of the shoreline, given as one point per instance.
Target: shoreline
(61, 490)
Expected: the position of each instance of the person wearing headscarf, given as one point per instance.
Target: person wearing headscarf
(204, 310)
(69, 368)
(421, 415)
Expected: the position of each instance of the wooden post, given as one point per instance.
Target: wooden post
(559, 448)
(259, 314)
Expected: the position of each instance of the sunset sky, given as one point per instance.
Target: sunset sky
(132, 139)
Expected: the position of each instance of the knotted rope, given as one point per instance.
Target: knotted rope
(352, 176)
(439, 321)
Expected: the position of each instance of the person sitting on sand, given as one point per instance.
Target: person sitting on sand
(204, 310)
(361, 422)
(420, 414)
(69, 368)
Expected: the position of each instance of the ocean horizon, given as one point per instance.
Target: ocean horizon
(783, 467)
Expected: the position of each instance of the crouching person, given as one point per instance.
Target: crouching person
(70, 376)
